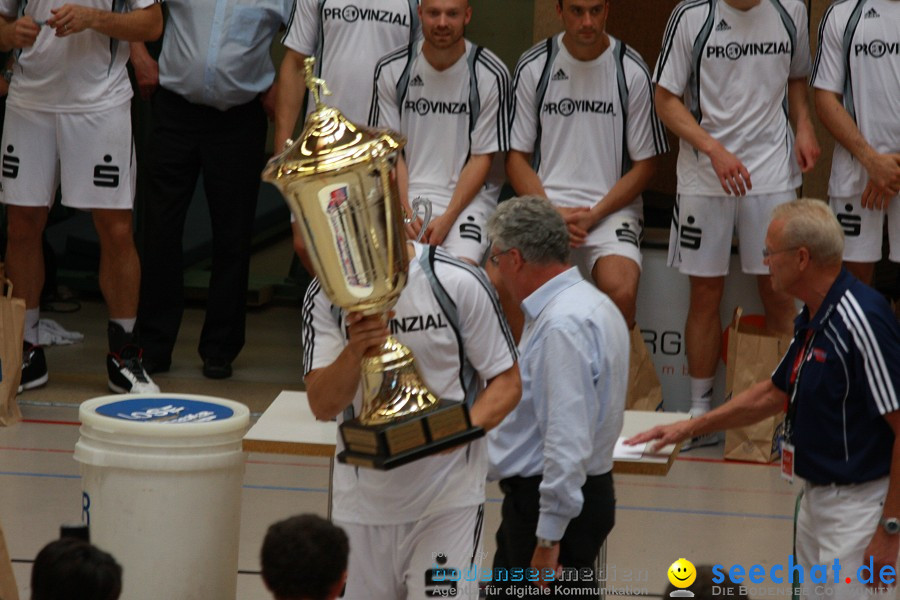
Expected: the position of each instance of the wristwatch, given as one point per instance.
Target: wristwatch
(545, 543)
(891, 525)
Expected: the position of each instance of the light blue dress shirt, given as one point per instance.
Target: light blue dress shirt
(573, 357)
(216, 52)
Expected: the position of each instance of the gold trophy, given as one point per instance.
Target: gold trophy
(340, 183)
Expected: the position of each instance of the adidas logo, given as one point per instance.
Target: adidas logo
(560, 76)
(723, 26)
(417, 81)
(872, 14)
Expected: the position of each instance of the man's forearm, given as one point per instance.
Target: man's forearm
(675, 115)
(626, 189)
(291, 90)
(498, 399)
(521, 176)
(840, 124)
(471, 180)
(142, 25)
(760, 400)
(331, 389)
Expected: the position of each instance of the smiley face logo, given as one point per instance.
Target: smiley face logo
(682, 573)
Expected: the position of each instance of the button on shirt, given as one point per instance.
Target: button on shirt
(216, 52)
(574, 364)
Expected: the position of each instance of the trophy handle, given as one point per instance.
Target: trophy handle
(425, 205)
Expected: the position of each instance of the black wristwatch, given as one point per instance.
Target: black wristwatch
(891, 525)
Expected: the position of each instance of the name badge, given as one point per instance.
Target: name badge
(787, 461)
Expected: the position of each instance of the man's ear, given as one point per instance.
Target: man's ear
(338, 588)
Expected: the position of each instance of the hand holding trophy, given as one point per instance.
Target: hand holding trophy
(340, 183)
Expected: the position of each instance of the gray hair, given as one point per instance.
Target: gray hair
(533, 226)
(811, 223)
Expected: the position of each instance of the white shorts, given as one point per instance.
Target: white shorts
(407, 561)
(90, 154)
(619, 234)
(864, 229)
(703, 228)
(837, 522)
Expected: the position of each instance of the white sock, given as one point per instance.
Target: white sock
(701, 395)
(32, 317)
(126, 324)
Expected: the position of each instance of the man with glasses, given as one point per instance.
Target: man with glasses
(839, 383)
(730, 79)
(553, 453)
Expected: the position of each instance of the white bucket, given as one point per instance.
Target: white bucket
(161, 480)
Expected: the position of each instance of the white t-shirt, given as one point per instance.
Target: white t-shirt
(732, 68)
(82, 72)
(438, 482)
(866, 73)
(347, 37)
(444, 117)
(568, 114)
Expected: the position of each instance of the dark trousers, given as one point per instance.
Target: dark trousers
(228, 148)
(580, 543)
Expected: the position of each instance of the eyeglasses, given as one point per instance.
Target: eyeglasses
(767, 253)
(496, 257)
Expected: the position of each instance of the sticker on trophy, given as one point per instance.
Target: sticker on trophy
(336, 203)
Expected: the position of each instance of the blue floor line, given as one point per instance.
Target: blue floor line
(280, 488)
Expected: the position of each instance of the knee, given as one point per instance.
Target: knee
(116, 234)
(25, 226)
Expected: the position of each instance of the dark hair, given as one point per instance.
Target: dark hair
(303, 557)
(72, 569)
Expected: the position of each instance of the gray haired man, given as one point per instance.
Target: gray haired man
(553, 453)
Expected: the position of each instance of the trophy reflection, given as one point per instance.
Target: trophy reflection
(340, 183)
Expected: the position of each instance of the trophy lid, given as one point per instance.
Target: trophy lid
(330, 142)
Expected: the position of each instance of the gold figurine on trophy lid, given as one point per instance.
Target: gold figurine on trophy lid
(339, 180)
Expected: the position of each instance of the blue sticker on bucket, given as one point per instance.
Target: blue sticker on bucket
(165, 410)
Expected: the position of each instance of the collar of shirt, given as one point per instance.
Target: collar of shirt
(835, 293)
(538, 300)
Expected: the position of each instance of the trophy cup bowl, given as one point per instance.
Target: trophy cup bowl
(339, 181)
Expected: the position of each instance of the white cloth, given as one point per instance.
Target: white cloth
(439, 482)
(78, 73)
(737, 87)
(51, 333)
(575, 127)
(347, 37)
(867, 77)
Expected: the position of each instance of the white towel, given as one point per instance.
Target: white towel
(50, 332)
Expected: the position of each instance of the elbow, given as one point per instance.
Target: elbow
(154, 31)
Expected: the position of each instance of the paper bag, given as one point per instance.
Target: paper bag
(8, 590)
(644, 389)
(752, 356)
(12, 329)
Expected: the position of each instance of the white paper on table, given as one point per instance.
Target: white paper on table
(623, 452)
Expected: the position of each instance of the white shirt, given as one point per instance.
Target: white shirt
(444, 118)
(217, 52)
(347, 37)
(82, 72)
(732, 68)
(438, 482)
(574, 365)
(568, 114)
(866, 73)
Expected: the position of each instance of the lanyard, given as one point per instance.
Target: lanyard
(801, 359)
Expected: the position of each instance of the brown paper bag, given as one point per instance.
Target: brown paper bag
(644, 389)
(8, 590)
(12, 330)
(752, 356)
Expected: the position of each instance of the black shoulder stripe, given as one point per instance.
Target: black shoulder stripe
(672, 27)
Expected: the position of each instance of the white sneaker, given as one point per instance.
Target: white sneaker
(700, 441)
(127, 374)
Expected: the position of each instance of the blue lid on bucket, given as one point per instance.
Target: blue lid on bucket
(169, 410)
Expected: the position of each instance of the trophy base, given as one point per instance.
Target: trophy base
(390, 445)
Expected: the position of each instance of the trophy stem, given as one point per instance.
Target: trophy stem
(392, 386)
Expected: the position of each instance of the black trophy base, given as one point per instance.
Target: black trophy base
(397, 443)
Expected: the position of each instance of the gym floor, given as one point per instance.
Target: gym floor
(706, 510)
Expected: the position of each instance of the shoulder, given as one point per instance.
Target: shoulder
(395, 60)
(633, 62)
(535, 57)
(690, 12)
(867, 315)
(486, 59)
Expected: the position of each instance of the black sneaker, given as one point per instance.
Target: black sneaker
(34, 367)
(124, 367)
